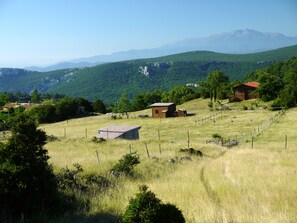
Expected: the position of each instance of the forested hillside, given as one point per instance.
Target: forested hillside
(107, 81)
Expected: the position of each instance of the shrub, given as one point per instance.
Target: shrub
(192, 151)
(98, 140)
(126, 164)
(216, 136)
(146, 207)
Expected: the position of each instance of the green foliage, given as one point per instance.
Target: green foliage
(44, 113)
(27, 182)
(217, 83)
(66, 108)
(278, 81)
(179, 95)
(124, 104)
(109, 80)
(99, 106)
(216, 136)
(147, 208)
(85, 103)
(4, 98)
(35, 97)
(126, 165)
(192, 151)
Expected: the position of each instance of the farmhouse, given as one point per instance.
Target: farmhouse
(164, 110)
(119, 132)
(17, 104)
(245, 91)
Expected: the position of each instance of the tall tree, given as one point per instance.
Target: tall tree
(215, 82)
(124, 105)
(35, 97)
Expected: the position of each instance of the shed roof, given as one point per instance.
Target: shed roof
(161, 104)
(118, 129)
(113, 132)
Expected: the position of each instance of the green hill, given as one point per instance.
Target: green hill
(107, 81)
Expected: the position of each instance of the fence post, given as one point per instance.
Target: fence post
(148, 154)
(86, 133)
(97, 155)
(252, 142)
(188, 139)
(130, 148)
(160, 149)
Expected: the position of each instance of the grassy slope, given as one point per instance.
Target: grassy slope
(235, 185)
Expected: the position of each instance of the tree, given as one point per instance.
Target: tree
(270, 85)
(215, 82)
(35, 97)
(99, 106)
(66, 107)
(4, 98)
(44, 113)
(179, 95)
(27, 182)
(139, 102)
(85, 103)
(124, 105)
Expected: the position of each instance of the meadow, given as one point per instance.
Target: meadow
(252, 182)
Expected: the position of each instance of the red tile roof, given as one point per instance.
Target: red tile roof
(252, 84)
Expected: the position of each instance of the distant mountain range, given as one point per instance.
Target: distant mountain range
(238, 42)
(107, 81)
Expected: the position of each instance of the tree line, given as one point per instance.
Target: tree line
(278, 82)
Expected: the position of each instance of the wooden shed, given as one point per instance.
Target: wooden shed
(119, 132)
(164, 110)
(245, 91)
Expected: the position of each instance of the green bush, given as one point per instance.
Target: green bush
(126, 165)
(216, 136)
(146, 207)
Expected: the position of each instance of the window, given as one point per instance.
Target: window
(156, 111)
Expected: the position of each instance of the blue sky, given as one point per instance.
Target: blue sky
(42, 32)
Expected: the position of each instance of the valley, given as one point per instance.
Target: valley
(252, 182)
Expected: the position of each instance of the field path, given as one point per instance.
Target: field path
(210, 192)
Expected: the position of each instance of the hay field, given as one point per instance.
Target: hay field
(226, 185)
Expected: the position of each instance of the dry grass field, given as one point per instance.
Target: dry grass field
(240, 184)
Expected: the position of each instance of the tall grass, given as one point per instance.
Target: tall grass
(225, 185)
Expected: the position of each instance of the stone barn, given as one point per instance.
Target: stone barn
(119, 132)
(245, 91)
(164, 110)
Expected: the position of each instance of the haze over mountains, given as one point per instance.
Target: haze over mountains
(238, 42)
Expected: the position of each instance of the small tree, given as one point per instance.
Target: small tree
(35, 97)
(124, 105)
(146, 207)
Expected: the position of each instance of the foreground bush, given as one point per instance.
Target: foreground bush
(146, 207)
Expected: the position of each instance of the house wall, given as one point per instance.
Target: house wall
(243, 92)
(131, 135)
(157, 111)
